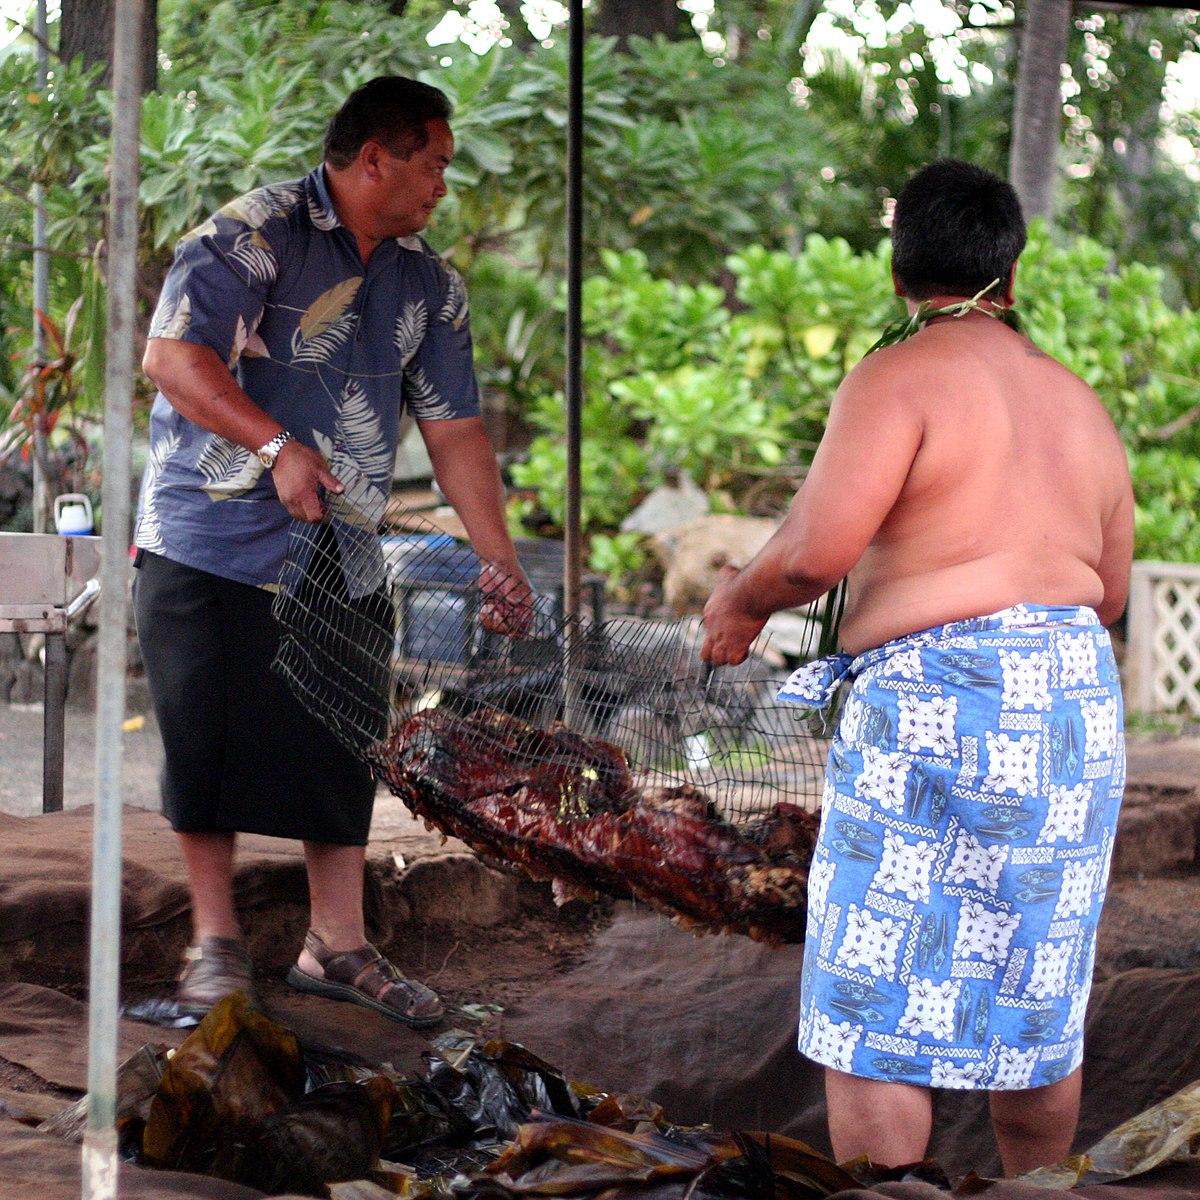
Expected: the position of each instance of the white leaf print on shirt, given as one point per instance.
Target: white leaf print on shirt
(149, 531)
(256, 208)
(422, 397)
(231, 470)
(172, 320)
(454, 308)
(253, 252)
(410, 329)
(359, 430)
(326, 323)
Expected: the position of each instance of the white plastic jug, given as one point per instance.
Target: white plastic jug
(73, 515)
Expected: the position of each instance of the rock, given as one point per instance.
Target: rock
(458, 887)
(692, 554)
(28, 686)
(10, 659)
(412, 459)
(1157, 832)
(668, 508)
(793, 633)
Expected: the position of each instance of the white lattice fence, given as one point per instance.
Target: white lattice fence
(1162, 664)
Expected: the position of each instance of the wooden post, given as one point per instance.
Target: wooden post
(1139, 643)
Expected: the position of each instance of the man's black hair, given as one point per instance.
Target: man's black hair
(391, 109)
(956, 229)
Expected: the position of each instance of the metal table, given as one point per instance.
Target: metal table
(45, 580)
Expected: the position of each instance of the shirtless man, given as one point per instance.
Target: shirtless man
(977, 495)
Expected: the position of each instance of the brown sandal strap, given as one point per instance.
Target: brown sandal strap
(364, 969)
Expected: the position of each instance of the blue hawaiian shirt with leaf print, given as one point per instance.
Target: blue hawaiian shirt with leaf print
(331, 349)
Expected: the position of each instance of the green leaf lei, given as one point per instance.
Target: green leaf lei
(904, 328)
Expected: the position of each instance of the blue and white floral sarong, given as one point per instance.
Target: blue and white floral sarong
(967, 825)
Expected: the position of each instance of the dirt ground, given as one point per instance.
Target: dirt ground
(615, 995)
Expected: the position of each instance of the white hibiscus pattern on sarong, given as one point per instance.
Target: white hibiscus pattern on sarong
(905, 867)
(1077, 660)
(1078, 887)
(930, 1008)
(1066, 814)
(1051, 962)
(1100, 727)
(984, 931)
(870, 943)
(1012, 763)
(1026, 679)
(927, 724)
(831, 1043)
(973, 862)
(1015, 1068)
(884, 778)
(947, 1074)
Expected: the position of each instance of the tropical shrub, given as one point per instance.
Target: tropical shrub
(678, 380)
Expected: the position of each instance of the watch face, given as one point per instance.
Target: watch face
(270, 452)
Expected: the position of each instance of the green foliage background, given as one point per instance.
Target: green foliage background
(735, 235)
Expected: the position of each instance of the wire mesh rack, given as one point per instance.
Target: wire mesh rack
(599, 751)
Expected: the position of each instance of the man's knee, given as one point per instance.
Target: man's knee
(1036, 1113)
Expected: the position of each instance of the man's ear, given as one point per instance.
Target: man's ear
(1010, 288)
(370, 158)
(896, 284)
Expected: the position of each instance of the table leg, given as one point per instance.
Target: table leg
(54, 722)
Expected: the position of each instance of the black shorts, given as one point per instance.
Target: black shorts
(240, 752)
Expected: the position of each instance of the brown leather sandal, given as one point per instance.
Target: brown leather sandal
(213, 968)
(365, 977)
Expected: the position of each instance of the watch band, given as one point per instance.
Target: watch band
(270, 452)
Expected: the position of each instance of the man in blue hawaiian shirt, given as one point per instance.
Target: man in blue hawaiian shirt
(293, 329)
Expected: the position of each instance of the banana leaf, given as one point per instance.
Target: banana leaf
(233, 1072)
(333, 1134)
(1164, 1135)
(579, 1159)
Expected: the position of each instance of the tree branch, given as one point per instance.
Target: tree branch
(33, 33)
(1181, 422)
(20, 195)
(25, 247)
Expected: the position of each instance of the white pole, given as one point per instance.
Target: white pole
(100, 1137)
(41, 288)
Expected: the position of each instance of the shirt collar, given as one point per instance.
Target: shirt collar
(320, 203)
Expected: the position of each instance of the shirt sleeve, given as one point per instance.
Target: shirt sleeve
(439, 379)
(216, 289)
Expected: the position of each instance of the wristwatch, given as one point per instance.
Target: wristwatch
(270, 452)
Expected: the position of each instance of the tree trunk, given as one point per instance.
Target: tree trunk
(86, 28)
(640, 18)
(1037, 116)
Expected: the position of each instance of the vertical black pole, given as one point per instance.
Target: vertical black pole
(574, 379)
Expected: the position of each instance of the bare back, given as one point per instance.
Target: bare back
(1018, 490)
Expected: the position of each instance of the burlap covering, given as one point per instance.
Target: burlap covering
(704, 1026)
(707, 1028)
(36, 1167)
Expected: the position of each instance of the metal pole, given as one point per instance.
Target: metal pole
(574, 379)
(100, 1137)
(41, 293)
(573, 534)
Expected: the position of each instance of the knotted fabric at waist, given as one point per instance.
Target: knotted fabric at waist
(814, 684)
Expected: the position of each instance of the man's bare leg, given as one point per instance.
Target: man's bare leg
(335, 891)
(888, 1122)
(1035, 1127)
(209, 861)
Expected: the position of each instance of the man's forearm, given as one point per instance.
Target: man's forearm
(770, 582)
(200, 387)
(464, 465)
